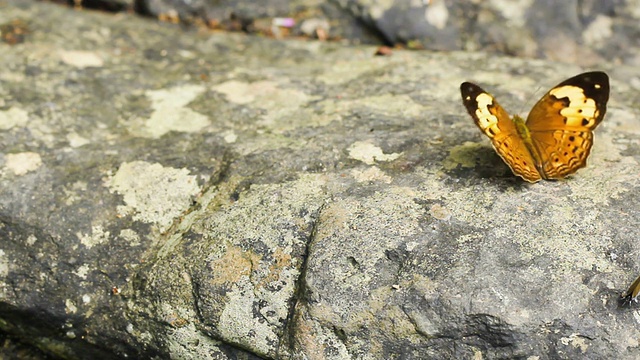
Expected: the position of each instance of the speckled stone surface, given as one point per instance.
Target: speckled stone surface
(190, 194)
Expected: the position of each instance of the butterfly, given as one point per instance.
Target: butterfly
(631, 295)
(557, 136)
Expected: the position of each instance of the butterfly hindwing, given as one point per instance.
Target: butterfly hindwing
(566, 151)
(495, 122)
(521, 163)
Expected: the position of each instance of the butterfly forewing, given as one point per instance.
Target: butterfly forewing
(561, 123)
(494, 121)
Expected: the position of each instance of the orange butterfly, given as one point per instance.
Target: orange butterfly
(556, 139)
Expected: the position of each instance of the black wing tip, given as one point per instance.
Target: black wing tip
(595, 74)
(470, 89)
(595, 85)
(599, 77)
(465, 86)
(590, 77)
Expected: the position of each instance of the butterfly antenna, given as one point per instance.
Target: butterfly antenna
(529, 102)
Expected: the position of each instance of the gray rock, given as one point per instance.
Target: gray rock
(577, 32)
(172, 194)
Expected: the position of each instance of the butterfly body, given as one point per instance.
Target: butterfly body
(557, 136)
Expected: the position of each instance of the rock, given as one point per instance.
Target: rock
(174, 194)
(577, 32)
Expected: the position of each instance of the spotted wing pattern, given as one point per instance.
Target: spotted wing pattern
(561, 124)
(557, 137)
(494, 122)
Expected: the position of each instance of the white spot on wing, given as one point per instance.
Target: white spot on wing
(485, 117)
(574, 93)
(580, 107)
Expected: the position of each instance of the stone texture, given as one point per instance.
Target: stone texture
(177, 194)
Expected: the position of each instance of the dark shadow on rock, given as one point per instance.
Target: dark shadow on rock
(487, 165)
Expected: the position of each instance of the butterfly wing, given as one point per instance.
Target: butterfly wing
(561, 123)
(494, 122)
(631, 295)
